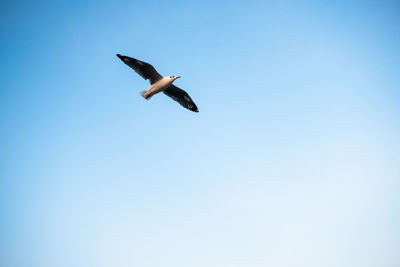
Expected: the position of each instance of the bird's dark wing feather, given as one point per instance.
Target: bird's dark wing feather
(147, 71)
(181, 97)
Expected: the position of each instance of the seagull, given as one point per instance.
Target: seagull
(159, 83)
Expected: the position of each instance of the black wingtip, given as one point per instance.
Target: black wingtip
(120, 56)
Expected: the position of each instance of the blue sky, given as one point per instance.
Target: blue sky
(293, 159)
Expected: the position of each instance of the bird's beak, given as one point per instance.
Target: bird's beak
(178, 77)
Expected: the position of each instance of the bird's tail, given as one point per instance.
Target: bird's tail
(146, 94)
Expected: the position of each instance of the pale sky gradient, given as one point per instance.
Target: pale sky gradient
(293, 159)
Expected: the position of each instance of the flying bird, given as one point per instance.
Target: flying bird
(159, 83)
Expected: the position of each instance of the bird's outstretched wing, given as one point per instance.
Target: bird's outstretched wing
(181, 97)
(147, 71)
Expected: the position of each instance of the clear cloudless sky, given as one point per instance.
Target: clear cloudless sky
(293, 159)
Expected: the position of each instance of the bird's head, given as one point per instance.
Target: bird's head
(173, 78)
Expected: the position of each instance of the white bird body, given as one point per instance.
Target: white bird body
(159, 86)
